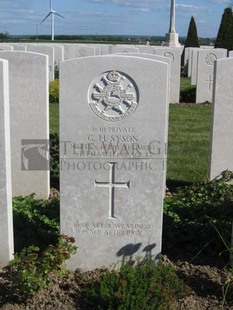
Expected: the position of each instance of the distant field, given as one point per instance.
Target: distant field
(188, 143)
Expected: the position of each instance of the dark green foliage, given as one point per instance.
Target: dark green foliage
(192, 37)
(188, 95)
(225, 32)
(54, 156)
(193, 217)
(32, 270)
(143, 286)
(36, 222)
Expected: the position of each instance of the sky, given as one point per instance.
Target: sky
(113, 17)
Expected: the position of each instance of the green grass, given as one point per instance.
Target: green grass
(54, 117)
(185, 83)
(188, 143)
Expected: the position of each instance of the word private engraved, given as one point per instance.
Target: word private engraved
(113, 96)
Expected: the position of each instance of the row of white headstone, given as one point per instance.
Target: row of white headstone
(113, 138)
(199, 64)
(58, 53)
(24, 133)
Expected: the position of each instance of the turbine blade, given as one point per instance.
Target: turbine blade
(50, 5)
(58, 14)
(45, 18)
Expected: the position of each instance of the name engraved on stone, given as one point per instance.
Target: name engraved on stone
(210, 58)
(111, 185)
(113, 96)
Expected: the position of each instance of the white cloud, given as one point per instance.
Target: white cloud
(190, 7)
(221, 1)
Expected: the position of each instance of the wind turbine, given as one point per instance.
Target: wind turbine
(52, 13)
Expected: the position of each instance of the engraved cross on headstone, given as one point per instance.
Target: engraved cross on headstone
(210, 81)
(111, 185)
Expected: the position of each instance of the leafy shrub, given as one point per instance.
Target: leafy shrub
(143, 286)
(54, 91)
(195, 215)
(188, 95)
(32, 270)
(54, 156)
(30, 216)
(56, 71)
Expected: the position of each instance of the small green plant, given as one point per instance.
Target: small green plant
(32, 215)
(54, 91)
(189, 217)
(32, 270)
(54, 156)
(188, 95)
(144, 286)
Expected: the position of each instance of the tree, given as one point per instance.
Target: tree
(225, 32)
(192, 38)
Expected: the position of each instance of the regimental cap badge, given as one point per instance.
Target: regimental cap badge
(113, 96)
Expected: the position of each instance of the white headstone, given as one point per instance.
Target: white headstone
(113, 133)
(78, 51)
(46, 50)
(19, 47)
(221, 152)
(146, 49)
(116, 49)
(29, 122)
(194, 65)
(186, 60)
(6, 222)
(230, 53)
(58, 54)
(190, 53)
(104, 49)
(175, 56)
(6, 47)
(205, 70)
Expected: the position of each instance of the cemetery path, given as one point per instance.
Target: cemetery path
(205, 290)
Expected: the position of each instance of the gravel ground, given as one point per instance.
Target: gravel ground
(205, 290)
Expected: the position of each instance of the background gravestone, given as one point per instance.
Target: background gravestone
(122, 49)
(78, 51)
(29, 122)
(194, 65)
(6, 47)
(17, 47)
(6, 223)
(46, 50)
(205, 73)
(113, 136)
(175, 55)
(221, 152)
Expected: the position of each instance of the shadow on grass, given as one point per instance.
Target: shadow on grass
(174, 185)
